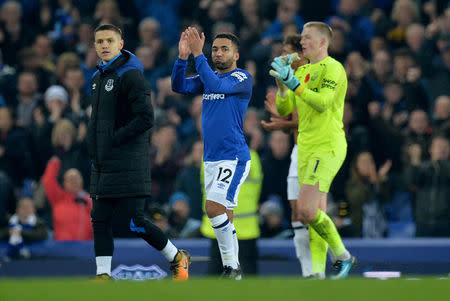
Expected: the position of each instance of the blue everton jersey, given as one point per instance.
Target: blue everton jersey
(225, 100)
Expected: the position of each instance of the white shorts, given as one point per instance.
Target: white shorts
(223, 180)
(293, 188)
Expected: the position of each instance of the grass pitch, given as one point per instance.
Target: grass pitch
(211, 289)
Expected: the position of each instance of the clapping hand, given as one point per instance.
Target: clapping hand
(195, 41)
(183, 47)
(283, 71)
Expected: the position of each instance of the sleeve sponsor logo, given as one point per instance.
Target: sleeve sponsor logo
(241, 76)
(329, 83)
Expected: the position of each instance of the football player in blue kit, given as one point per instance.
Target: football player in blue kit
(226, 94)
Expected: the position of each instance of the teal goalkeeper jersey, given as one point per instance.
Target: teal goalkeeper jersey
(320, 106)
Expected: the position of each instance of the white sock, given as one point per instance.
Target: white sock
(224, 236)
(302, 248)
(169, 251)
(235, 242)
(344, 256)
(103, 264)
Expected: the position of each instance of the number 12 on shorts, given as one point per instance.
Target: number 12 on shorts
(226, 175)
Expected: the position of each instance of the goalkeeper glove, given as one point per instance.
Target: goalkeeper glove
(283, 71)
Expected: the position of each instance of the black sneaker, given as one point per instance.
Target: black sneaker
(230, 273)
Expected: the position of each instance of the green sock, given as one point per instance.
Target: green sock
(325, 227)
(319, 249)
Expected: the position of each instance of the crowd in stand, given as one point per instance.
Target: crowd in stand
(394, 182)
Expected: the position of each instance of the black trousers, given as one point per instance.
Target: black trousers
(248, 257)
(131, 209)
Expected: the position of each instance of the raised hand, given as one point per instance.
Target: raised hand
(384, 169)
(183, 47)
(271, 104)
(195, 40)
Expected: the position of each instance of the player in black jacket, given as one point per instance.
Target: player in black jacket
(118, 141)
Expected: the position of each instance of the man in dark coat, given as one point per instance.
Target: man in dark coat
(118, 142)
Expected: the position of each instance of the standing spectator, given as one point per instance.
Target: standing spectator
(24, 228)
(441, 112)
(71, 205)
(366, 191)
(164, 163)
(429, 180)
(275, 167)
(287, 13)
(404, 13)
(14, 35)
(28, 98)
(188, 179)
(13, 148)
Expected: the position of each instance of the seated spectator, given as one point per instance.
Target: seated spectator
(24, 228)
(181, 225)
(271, 222)
(366, 191)
(430, 182)
(71, 205)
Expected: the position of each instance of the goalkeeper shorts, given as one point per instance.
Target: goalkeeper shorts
(320, 167)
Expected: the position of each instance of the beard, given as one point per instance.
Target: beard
(223, 65)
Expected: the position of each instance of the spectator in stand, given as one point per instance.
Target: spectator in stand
(418, 130)
(28, 98)
(71, 205)
(14, 35)
(150, 35)
(441, 112)
(181, 224)
(404, 13)
(429, 181)
(42, 46)
(415, 33)
(24, 228)
(164, 163)
(366, 191)
(69, 145)
(28, 61)
(63, 63)
(275, 167)
(74, 82)
(188, 179)
(85, 40)
(287, 13)
(271, 220)
(7, 201)
(358, 29)
(13, 148)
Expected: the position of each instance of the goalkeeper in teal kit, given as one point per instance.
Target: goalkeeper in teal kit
(226, 94)
(318, 93)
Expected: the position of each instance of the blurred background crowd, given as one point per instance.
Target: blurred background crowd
(394, 182)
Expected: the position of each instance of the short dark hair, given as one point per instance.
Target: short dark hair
(228, 35)
(293, 39)
(109, 27)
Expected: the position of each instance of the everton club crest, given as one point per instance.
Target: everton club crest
(109, 85)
